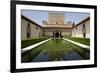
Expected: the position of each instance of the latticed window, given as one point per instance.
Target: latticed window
(84, 28)
(36, 27)
(76, 28)
(28, 30)
(84, 31)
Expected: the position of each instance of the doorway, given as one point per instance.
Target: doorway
(57, 34)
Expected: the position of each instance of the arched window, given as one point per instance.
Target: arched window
(84, 31)
(76, 28)
(37, 27)
(28, 30)
(83, 25)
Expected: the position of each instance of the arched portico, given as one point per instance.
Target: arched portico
(56, 34)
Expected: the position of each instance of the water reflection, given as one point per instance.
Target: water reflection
(58, 50)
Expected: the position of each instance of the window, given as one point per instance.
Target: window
(84, 28)
(36, 27)
(84, 25)
(28, 30)
(76, 28)
(84, 31)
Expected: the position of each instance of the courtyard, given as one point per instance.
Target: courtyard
(54, 36)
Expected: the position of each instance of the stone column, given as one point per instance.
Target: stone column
(53, 34)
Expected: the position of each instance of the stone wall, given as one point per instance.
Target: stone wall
(77, 31)
(36, 31)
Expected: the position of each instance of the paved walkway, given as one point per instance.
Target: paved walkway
(34, 45)
(76, 43)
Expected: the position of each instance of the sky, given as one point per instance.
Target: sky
(39, 16)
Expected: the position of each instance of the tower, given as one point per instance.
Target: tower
(55, 18)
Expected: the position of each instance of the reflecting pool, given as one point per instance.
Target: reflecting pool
(56, 50)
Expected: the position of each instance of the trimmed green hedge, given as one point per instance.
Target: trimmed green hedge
(85, 41)
(25, 43)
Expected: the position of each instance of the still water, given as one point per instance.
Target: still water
(59, 50)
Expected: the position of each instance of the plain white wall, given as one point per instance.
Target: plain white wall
(5, 37)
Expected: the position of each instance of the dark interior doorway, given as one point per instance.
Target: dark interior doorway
(84, 31)
(57, 34)
(84, 35)
(28, 30)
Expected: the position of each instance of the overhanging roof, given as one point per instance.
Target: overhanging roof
(84, 20)
(57, 26)
(26, 18)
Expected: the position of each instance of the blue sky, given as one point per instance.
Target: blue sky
(39, 16)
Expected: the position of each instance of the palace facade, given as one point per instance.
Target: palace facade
(54, 27)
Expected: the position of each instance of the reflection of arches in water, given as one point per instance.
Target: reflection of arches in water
(56, 55)
(57, 42)
(55, 52)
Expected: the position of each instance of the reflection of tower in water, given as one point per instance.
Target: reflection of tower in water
(56, 53)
